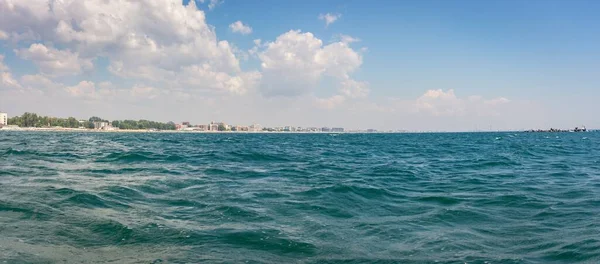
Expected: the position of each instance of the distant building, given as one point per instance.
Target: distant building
(325, 129)
(203, 128)
(3, 119)
(337, 129)
(239, 128)
(185, 124)
(217, 125)
(213, 126)
(102, 125)
(255, 128)
(111, 128)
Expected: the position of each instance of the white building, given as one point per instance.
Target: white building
(255, 128)
(101, 125)
(3, 119)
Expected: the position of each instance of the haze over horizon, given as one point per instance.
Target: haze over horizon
(411, 65)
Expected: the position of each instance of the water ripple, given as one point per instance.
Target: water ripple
(288, 198)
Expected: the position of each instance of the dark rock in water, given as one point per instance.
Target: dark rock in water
(577, 129)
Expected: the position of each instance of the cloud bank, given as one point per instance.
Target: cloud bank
(161, 59)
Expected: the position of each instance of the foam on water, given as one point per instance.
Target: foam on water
(309, 198)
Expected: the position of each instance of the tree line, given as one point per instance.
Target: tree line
(143, 124)
(34, 120)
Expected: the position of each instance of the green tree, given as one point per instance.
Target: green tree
(72, 122)
(97, 119)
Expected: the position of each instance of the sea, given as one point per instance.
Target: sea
(497, 197)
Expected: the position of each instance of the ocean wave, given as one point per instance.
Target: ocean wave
(306, 198)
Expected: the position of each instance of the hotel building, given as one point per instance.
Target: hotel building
(3, 119)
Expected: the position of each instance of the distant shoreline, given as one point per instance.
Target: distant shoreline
(84, 130)
(31, 129)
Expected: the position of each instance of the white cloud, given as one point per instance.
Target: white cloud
(295, 62)
(497, 101)
(106, 89)
(6, 78)
(166, 53)
(2, 66)
(142, 91)
(331, 102)
(354, 89)
(257, 45)
(239, 27)
(55, 62)
(170, 45)
(196, 75)
(41, 83)
(214, 3)
(438, 102)
(346, 39)
(82, 89)
(329, 18)
(146, 40)
(446, 103)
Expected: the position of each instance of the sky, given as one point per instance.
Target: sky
(430, 65)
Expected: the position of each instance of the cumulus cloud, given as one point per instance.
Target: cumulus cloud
(239, 27)
(6, 78)
(354, 89)
(171, 46)
(146, 40)
(295, 62)
(446, 103)
(40, 82)
(329, 18)
(88, 90)
(82, 89)
(197, 75)
(52, 61)
(161, 53)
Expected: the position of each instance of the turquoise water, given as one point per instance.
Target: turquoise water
(299, 198)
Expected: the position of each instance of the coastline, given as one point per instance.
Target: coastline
(86, 130)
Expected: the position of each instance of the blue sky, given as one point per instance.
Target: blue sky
(419, 65)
